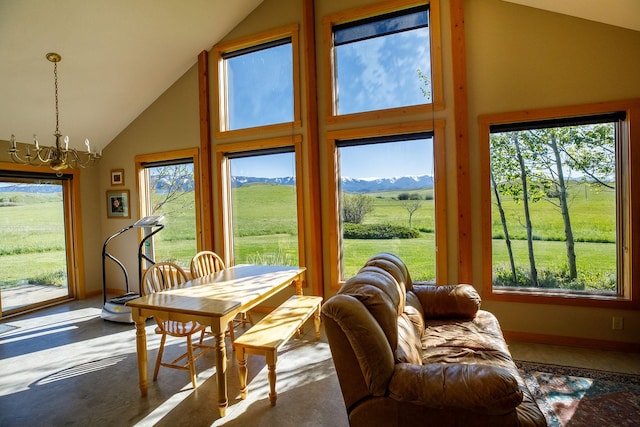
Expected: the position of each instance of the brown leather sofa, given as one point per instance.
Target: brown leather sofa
(410, 354)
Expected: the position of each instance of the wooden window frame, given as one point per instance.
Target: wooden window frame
(220, 49)
(329, 21)
(334, 239)
(143, 195)
(222, 165)
(630, 136)
(72, 233)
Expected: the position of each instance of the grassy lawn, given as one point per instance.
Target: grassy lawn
(266, 232)
(32, 248)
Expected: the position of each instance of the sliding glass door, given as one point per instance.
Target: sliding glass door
(33, 248)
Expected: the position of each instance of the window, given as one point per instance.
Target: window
(262, 204)
(37, 249)
(386, 200)
(167, 187)
(560, 213)
(384, 61)
(258, 81)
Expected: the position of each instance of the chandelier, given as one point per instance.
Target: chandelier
(61, 156)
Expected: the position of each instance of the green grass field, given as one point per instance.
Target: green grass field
(266, 230)
(32, 248)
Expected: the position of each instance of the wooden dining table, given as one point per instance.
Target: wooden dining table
(213, 301)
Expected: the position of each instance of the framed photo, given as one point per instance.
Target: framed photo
(118, 204)
(117, 176)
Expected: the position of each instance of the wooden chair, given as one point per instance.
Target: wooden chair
(166, 275)
(207, 262)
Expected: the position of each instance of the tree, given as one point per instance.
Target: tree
(425, 88)
(545, 159)
(411, 205)
(355, 207)
(588, 150)
(169, 184)
(527, 213)
(501, 152)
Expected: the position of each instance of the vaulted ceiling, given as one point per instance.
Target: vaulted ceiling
(118, 56)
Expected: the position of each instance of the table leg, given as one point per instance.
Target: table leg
(298, 286)
(221, 371)
(141, 347)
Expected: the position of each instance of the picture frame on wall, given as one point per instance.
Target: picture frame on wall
(118, 204)
(117, 176)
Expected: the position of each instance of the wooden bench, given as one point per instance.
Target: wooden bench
(268, 335)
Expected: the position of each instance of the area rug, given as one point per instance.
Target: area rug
(571, 396)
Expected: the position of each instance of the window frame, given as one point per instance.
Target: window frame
(357, 14)
(144, 196)
(225, 48)
(334, 237)
(629, 134)
(225, 239)
(73, 234)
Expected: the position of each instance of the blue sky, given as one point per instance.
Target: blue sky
(373, 74)
(384, 160)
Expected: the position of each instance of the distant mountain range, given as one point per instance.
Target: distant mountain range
(351, 185)
(31, 188)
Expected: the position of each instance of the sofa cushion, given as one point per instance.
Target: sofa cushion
(409, 342)
(373, 359)
(483, 388)
(413, 309)
(387, 256)
(470, 341)
(450, 301)
(379, 294)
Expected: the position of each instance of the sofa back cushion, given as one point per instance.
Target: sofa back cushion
(448, 301)
(376, 287)
(362, 356)
(380, 294)
(401, 272)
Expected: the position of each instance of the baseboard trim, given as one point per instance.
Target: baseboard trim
(630, 347)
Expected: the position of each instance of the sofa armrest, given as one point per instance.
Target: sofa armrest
(483, 388)
(448, 301)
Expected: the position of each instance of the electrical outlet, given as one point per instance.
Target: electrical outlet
(617, 323)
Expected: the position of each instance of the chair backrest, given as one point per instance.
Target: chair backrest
(206, 262)
(162, 275)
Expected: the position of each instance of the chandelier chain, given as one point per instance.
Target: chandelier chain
(55, 79)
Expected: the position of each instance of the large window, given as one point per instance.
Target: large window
(167, 187)
(37, 249)
(258, 81)
(383, 61)
(386, 200)
(560, 213)
(262, 204)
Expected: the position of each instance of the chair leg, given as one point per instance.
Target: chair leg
(232, 332)
(191, 362)
(247, 315)
(159, 358)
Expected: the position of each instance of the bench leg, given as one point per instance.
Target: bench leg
(272, 358)
(242, 371)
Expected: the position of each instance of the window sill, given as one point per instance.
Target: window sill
(558, 297)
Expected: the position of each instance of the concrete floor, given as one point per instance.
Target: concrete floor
(64, 365)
